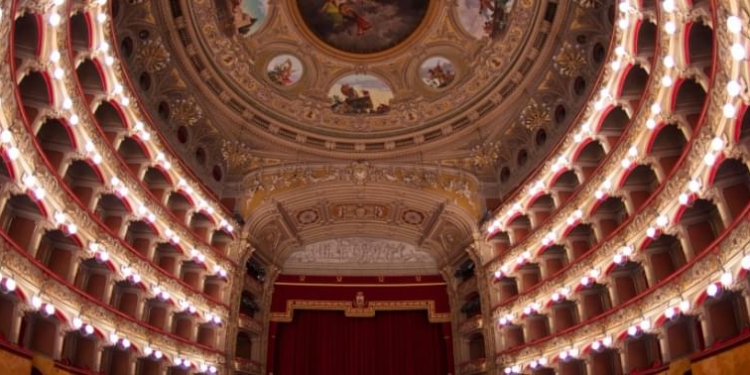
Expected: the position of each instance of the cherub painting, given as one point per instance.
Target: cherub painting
(284, 70)
(362, 26)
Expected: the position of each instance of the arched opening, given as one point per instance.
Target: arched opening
(126, 298)
(608, 216)
(647, 36)
(157, 182)
(628, 281)
(634, 85)
(541, 208)
(35, 94)
(248, 304)
(513, 335)
(207, 335)
(667, 147)
(614, 124)
(26, 38)
(641, 352)
(201, 225)
(702, 225)
(179, 205)
(589, 158)
(665, 255)
(700, 45)
(529, 275)
(508, 288)
(79, 32)
(732, 180)
(500, 243)
(564, 315)
(110, 120)
(149, 366)
(182, 325)
(41, 333)
(519, 228)
(191, 273)
(689, 101)
(572, 366)
(133, 154)
(82, 180)
(9, 313)
(683, 336)
(57, 253)
(726, 315)
(112, 211)
(20, 218)
(141, 236)
(94, 278)
(639, 185)
(167, 257)
(117, 360)
(220, 240)
(472, 306)
(605, 361)
(213, 286)
(156, 313)
(580, 240)
(595, 299)
(563, 186)
(553, 259)
(90, 79)
(80, 350)
(55, 142)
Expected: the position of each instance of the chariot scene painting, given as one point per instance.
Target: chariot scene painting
(437, 72)
(248, 15)
(284, 70)
(360, 94)
(484, 18)
(362, 26)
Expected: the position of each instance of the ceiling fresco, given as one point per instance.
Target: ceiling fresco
(362, 26)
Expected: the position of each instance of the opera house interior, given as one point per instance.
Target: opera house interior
(377, 187)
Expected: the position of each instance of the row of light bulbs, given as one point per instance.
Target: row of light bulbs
(117, 185)
(717, 146)
(9, 286)
(639, 327)
(29, 180)
(733, 89)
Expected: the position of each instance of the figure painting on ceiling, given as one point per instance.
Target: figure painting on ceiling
(248, 15)
(284, 70)
(362, 26)
(360, 94)
(485, 18)
(437, 72)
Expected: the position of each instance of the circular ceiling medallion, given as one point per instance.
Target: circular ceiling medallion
(437, 72)
(362, 26)
(360, 94)
(284, 70)
(413, 217)
(308, 216)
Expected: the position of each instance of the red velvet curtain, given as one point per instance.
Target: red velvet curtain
(393, 343)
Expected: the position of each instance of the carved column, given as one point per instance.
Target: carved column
(236, 282)
(483, 288)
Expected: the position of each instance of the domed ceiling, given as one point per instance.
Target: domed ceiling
(267, 98)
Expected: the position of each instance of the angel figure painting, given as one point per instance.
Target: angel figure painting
(362, 26)
(284, 70)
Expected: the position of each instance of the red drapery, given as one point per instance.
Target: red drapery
(393, 343)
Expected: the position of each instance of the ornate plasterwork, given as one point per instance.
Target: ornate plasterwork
(359, 251)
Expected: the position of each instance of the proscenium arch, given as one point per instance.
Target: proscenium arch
(438, 217)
